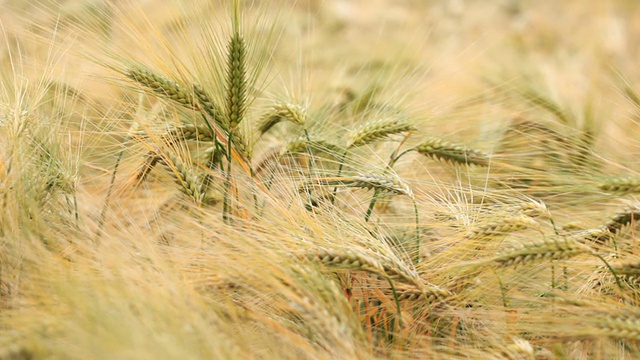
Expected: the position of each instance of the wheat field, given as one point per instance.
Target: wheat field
(337, 179)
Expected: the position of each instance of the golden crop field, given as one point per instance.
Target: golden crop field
(336, 179)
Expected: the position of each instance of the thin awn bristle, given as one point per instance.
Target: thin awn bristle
(446, 151)
(378, 130)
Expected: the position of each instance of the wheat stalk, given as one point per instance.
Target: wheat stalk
(377, 130)
(446, 151)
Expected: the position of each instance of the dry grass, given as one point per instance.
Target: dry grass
(216, 180)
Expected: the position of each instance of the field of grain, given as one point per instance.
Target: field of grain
(337, 179)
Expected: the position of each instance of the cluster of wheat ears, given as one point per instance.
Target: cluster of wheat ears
(193, 210)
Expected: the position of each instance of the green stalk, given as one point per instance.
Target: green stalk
(227, 184)
(335, 189)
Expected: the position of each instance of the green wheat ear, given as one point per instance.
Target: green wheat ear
(208, 107)
(378, 130)
(162, 86)
(442, 150)
(295, 114)
(236, 101)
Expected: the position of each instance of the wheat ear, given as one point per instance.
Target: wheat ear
(502, 226)
(295, 114)
(428, 292)
(189, 132)
(236, 82)
(620, 325)
(449, 152)
(300, 146)
(208, 107)
(556, 249)
(628, 271)
(162, 86)
(385, 184)
(615, 225)
(358, 261)
(189, 182)
(625, 185)
(377, 130)
(148, 165)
